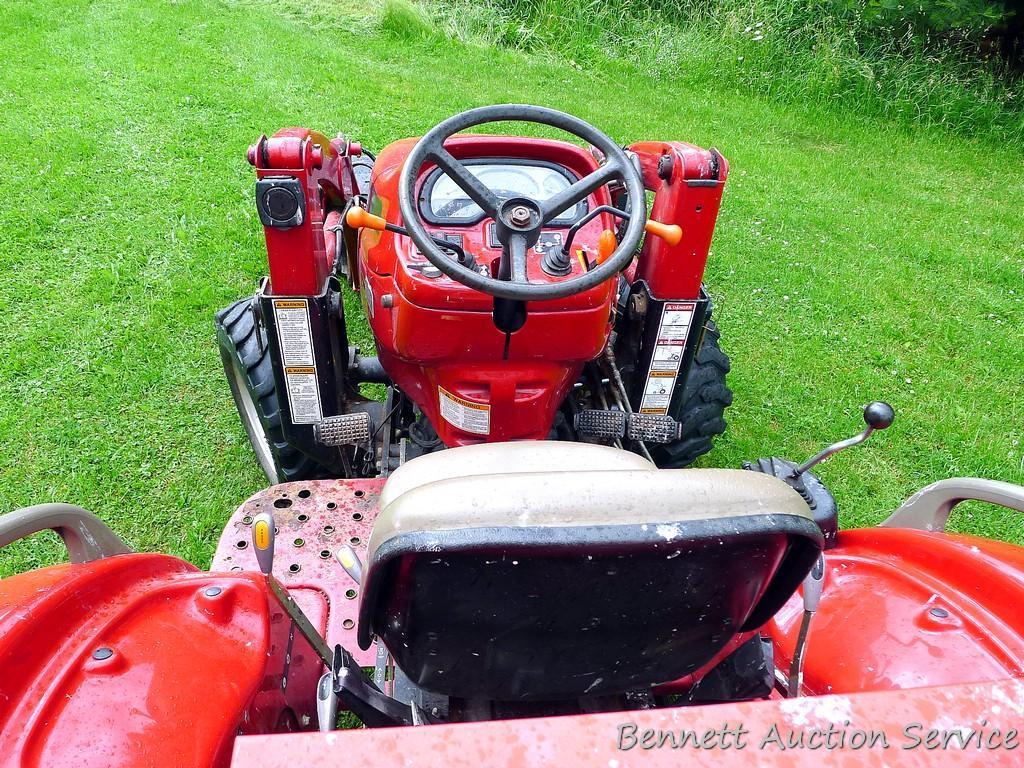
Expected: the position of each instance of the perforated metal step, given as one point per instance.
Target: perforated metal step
(602, 423)
(347, 429)
(643, 427)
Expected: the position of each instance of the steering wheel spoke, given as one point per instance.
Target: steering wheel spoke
(518, 250)
(580, 190)
(465, 179)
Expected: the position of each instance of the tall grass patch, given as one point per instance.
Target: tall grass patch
(915, 68)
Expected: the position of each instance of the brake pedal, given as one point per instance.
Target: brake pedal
(601, 423)
(652, 428)
(346, 429)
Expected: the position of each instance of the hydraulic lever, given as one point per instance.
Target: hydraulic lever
(264, 535)
(812, 595)
(877, 415)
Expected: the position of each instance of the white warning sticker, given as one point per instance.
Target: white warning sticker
(464, 414)
(296, 341)
(303, 394)
(674, 329)
(292, 317)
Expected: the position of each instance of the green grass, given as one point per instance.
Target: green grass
(853, 260)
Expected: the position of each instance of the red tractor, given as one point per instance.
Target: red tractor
(454, 607)
(509, 286)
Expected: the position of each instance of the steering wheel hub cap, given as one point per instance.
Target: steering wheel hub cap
(520, 216)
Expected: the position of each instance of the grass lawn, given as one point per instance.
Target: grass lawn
(853, 261)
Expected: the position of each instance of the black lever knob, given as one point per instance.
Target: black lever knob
(878, 415)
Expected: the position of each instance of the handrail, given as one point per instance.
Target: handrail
(929, 508)
(85, 535)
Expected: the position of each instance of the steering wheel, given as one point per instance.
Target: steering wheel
(518, 220)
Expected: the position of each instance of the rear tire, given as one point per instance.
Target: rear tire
(701, 410)
(243, 350)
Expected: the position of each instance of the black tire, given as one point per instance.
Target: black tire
(701, 410)
(243, 350)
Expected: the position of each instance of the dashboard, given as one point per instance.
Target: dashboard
(442, 202)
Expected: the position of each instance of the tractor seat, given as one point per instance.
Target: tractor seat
(547, 570)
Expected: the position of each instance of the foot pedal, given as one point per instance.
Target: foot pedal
(347, 429)
(642, 427)
(601, 423)
(651, 428)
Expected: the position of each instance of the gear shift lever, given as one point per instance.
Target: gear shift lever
(877, 415)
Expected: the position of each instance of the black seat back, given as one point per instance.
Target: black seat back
(556, 585)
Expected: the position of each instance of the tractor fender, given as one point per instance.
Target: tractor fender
(904, 608)
(137, 659)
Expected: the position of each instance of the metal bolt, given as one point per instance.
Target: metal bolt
(212, 591)
(939, 613)
(520, 216)
(101, 654)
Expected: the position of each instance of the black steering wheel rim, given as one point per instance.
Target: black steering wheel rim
(515, 238)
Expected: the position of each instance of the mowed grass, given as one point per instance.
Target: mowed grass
(852, 261)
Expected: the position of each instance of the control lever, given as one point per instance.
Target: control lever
(357, 218)
(877, 415)
(327, 696)
(264, 535)
(812, 594)
(344, 681)
(351, 563)
(560, 263)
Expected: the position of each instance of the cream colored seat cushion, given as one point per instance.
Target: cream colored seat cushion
(540, 484)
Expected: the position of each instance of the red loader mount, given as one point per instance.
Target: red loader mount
(507, 602)
(509, 288)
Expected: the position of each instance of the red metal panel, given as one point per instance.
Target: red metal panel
(687, 192)
(298, 257)
(905, 608)
(993, 709)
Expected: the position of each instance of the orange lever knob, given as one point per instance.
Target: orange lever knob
(361, 218)
(606, 245)
(670, 233)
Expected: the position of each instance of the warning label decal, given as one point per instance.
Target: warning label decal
(296, 341)
(292, 318)
(303, 394)
(464, 414)
(673, 331)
